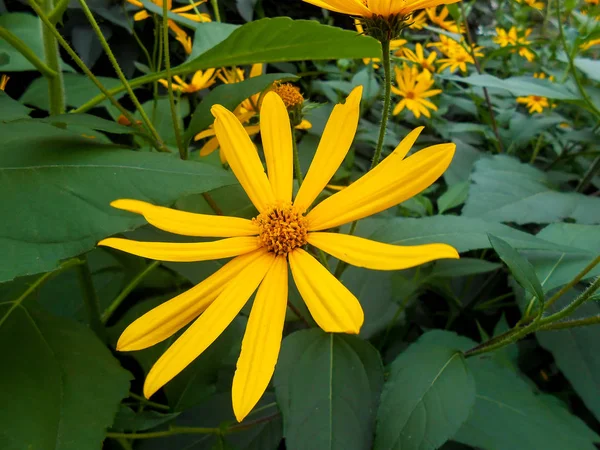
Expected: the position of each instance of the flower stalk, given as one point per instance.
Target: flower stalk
(56, 87)
(24, 50)
(387, 81)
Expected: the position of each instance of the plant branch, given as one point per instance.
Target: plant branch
(24, 50)
(572, 283)
(90, 299)
(56, 87)
(387, 71)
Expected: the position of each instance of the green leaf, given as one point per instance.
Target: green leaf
(284, 39)
(62, 384)
(229, 96)
(11, 109)
(78, 89)
(520, 268)
(590, 67)
(577, 351)
(453, 197)
(556, 268)
(451, 268)
(28, 28)
(208, 35)
(520, 86)
(62, 192)
(327, 387)
(88, 121)
(129, 420)
(427, 397)
(463, 233)
(506, 190)
(509, 415)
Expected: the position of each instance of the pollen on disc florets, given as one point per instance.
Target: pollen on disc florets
(290, 94)
(282, 229)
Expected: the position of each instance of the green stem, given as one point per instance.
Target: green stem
(536, 150)
(145, 401)
(213, 205)
(323, 259)
(108, 312)
(573, 282)
(58, 11)
(56, 87)
(215, 5)
(64, 44)
(341, 265)
(297, 168)
(572, 68)
(568, 310)
(590, 173)
(29, 55)
(170, 432)
(88, 13)
(387, 71)
(174, 117)
(571, 324)
(90, 299)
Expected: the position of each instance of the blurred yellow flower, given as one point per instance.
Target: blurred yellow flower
(266, 247)
(200, 80)
(511, 38)
(457, 54)
(418, 56)
(593, 2)
(534, 103)
(543, 76)
(588, 44)
(533, 3)
(414, 87)
(418, 21)
(3, 82)
(235, 75)
(382, 8)
(440, 20)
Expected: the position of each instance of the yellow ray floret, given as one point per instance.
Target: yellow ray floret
(274, 240)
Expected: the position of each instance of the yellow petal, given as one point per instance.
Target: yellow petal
(165, 320)
(189, 224)
(392, 182)
(334, 308)
(351, 7)
(304, 125)
(262, 340)
(276, 135)
(203, 134)
(141, 15)
(333, 147)
(242, 157)
(210, 146)
(362, 252)
(185, 252)
(209, 325)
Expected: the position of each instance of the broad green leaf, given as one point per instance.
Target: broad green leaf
(461, 267)
(555, 268)
(453, 197)
(520, 268)
(427, 397)
(208, 35)
(11, 109)
(590, 67)
(506, 190)
(62, 192)
(577, 351)
(62, 384)
(510, 415)
(284, 39)
(28, 28)
(520, 86)
(229, 96)
(129, 420)
(463, 233)
(88, 121)
(78, 89)
(327, 388)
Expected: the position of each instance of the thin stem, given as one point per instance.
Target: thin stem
(90, 299)
(211, 202)
(174, 117)
(24, 50)
(536, 150)
(145, 401)
(297, 168)
(170, 432)
(590, 173)
(568, 310)
(298, 314)
(570, 324)
(58, 11)
(108, 312)
(88, 13)
(64, 44)
(573, 282)
(215, 5)
(387, 81)
(323, 259)
(486, 94)
(572, 68)
(56, 87)
(341, 265)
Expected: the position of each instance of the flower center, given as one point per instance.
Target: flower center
(410, 95)
(290, 95)
(282, 229)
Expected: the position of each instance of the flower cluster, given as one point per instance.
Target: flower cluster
(516, 39)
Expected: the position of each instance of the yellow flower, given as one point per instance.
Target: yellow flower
(511, 38)
(542, 76)
(264, 247)
(396, 47)
(414, 87)
(587, 45)
(593, 2)
(3, 82)
(182, 37)
(440, 20)
(533, 3)
(382, 8)
(458, 57)
(535, 103)
(418, 56)
(200, 80)
(418, 21)
(236, 75)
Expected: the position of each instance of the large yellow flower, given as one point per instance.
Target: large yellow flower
(415, 88)
(383, 8)
(264, 246)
